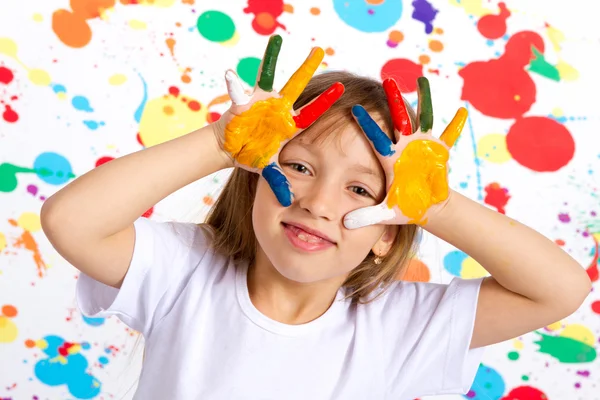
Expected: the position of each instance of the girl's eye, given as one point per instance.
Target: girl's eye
(299, 168)
(360, 191)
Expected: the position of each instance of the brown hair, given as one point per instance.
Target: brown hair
(231, 215)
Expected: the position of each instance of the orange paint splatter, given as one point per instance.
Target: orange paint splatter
(315, 11)
(559, 242)
(190, 2)
(186, 78)
(27, 242)
(329, 51)
(436, 45)
(9, 311)
(30, 343)
(416, 271)
(396, 36)
(72, 27)
(439, 31)
(208, 200)
(424, 59)
(171, 45)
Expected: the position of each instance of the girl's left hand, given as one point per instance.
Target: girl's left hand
(415, 166)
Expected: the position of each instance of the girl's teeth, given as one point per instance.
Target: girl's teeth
(309, 239)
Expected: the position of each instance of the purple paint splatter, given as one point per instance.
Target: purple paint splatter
(564, 217)
(424, 12)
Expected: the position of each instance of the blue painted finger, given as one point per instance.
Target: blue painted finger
(381, 142)
(278, 183)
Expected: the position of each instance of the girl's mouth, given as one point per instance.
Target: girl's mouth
(304, 240)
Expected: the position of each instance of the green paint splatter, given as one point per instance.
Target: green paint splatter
(540, 66)
(525, 378)
(215, 26)
(513, 355)
(247, 69)
(565, 349)
(8, 176)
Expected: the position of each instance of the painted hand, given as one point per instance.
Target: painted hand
(415, 166)
(258, 125)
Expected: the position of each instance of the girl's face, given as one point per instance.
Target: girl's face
(307, 242)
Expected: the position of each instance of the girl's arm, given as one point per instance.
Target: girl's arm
(534, 282)
(90, 221)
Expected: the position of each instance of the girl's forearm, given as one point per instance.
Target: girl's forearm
(519, 258)
(112, 196)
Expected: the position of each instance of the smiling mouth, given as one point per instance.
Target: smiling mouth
(304, 240)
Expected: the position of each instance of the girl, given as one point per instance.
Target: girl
(287, 291)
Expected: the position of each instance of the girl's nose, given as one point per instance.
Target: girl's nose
(320, 199)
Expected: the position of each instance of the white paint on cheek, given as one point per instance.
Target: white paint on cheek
(235, 89)
(368, 216)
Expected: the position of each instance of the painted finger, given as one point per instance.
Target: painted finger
(312, 111)
(380, 141)
(279, 184)
(236, 89)
(425, 108)
(397, 107)
(369, 216)
(294, 87)
(455, 127)
(269, 63)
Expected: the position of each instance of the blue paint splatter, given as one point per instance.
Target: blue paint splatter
(82, 104)
(138, 113)
(278, 183)
(369, 17)
(67, 370)
(424, 12)
(103, 360)
(453, 262)
(58, 88)
(476, 157)
(93, 125)
(382, 143)
(93, 321)
(53, 168)
(488, 384)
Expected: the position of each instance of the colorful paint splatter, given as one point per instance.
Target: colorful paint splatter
(85, 81)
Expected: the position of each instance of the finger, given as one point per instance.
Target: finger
(455, 127)
(236, 89)
(397, 107)
(369, 216)
(380, 141)
(269, 63)
(279, 184)
(425, 108)
(294, 87)
(312, 111)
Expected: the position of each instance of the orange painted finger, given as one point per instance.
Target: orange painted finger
(294, 87)
(455, 127)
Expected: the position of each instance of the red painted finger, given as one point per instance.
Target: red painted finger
(312, 111)
(397, 107)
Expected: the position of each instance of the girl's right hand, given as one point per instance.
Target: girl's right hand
(258, 125)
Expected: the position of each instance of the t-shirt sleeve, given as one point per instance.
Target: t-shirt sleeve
(164, 253)
(427, 330)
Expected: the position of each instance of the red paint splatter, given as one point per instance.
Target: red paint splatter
(139, 139)
(559, 242)
(194, 105)
(496, 196)
(265, 15)
(493, 26)
(6, 75)
(148, 212)
(513, 89)
(173, 90)
(540, 144)
(596, 306)
(103, 160)
(213, 116)
(404, 72)
(9, 114)
(592, 269)
(525, 393)
(64, 349)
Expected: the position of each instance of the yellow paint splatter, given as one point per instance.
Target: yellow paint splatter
(2, 241)
(493, 148)
(471, 269)
(566, 71)
(233, 41)
(8, 329)
(30, 222)
(37, 17)
(518, 345)
(157, 127)
(39, 77)
(554, 326)
(137, 24)
(580, 333)
(473, 7)
(8, 47)
(117, 79)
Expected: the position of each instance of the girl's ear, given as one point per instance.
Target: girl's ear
(384, 244)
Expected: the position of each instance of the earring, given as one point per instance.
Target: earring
(377, 260)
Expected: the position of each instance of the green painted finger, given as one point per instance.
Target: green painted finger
(425, 107)
(267, 73)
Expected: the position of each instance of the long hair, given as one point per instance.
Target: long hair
(231, 215)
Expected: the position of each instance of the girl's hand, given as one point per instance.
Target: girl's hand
(258, 125)
(415, 166)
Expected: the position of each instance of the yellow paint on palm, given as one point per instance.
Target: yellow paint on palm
(419, 179)
(254, 136)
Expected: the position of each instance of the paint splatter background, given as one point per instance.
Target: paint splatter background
(85, 81)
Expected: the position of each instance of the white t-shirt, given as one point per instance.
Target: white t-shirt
(206, 340)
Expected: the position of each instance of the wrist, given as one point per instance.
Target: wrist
(218, 132)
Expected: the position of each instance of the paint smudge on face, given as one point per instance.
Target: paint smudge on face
(525, 392)
(493, 26)
(540, 144)
(65, 365)
(8, 328)
(425, 13)
(496, 196)
(265, 15)
(488, 384)
(405, 72)
(514, 90)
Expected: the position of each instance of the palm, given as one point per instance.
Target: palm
(259, 125)
(416, 165)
